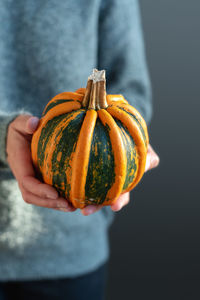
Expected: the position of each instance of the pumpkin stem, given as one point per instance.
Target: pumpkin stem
(95, 95)
(87, 93)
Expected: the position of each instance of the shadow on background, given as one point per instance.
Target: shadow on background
(155, 240)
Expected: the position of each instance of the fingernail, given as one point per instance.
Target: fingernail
(89, 210)
(63, 209)
(52, 196)
(63, 205)
(34, 122)
(117, 208)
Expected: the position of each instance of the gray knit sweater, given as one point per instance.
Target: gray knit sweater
(48, 47)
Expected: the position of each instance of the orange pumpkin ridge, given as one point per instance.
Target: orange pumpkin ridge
(137, 137)
(65, 96)
(64, 108)
(81, 159)
(134, 111)
(51, 146)
(119, 156)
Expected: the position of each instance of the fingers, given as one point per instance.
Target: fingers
(90, 209)
(58, 204)
(44, 195)
(152, 160)
(25, 124)
(20, 159)
(121, 201)
(36, 187)
(32, 124)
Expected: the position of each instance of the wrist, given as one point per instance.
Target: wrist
(5, 121)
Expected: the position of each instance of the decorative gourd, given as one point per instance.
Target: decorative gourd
(90, 146)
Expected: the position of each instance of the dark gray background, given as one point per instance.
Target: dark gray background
(155, 240)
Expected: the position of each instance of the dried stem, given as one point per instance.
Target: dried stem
(95, 95)
(92, 101)
(87, 93)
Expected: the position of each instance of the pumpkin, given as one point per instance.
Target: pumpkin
(90, 146)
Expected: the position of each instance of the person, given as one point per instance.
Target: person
(50, 250)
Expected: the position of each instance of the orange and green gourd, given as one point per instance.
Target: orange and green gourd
(90, 146)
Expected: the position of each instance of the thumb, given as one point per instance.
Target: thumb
(26, 124)
(152, 160)
(32, 124)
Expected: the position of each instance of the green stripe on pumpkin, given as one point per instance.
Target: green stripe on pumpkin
(45, 135)
(138, 122)
(129, 145)
(55, 103)
(100, 175)
(65, 146)
(64, 150)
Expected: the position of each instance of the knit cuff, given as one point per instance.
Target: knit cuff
(5, 120)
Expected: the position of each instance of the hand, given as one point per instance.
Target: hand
(152, 161)
(19, 159)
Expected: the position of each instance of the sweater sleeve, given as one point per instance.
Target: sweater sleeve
(121, 53)
(5, 120)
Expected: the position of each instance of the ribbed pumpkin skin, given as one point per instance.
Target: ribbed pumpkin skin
(90, 156)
